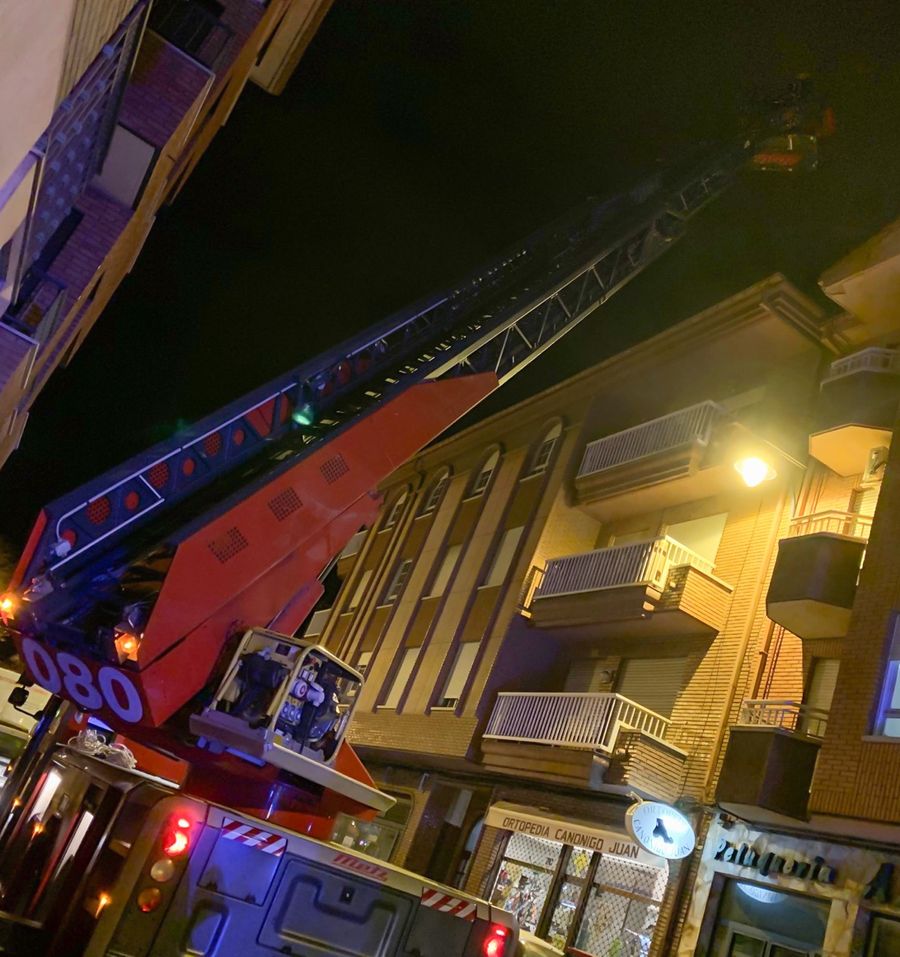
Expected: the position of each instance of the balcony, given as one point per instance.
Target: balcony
(814, 580)
(649, 466)
(653, 588)
(770, 760)
(857, 407)
(588, 739)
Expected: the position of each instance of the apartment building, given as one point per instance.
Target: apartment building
(803, 855)
(564, 607)
(106, 106)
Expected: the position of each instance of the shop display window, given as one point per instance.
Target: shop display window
(621, 909)
(524, 877)
(600, 905)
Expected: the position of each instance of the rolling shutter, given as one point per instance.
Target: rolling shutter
(652, 682)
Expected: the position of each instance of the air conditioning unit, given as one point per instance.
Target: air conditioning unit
(875, 466)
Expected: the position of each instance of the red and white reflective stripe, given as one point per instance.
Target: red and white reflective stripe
(447, 904)
(264, 841)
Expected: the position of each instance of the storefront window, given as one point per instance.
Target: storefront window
(377, 838)
(578, 862)
(573, 897)
(622, 908)
(756, 921)
(524, 878)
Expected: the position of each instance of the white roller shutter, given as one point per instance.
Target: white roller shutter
(820, 689)
(652, 682)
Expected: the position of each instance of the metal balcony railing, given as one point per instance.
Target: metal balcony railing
(583, 721)
(789, 715)
(850, 524)
(691, 425)
(866, 360)
(634, 564)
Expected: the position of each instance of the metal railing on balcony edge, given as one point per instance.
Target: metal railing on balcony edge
(874, 359)
(636, 563)
(685, 427)
(570, 720)
(851, 524)
(787, 715)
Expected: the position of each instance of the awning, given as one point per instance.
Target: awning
(538, 822)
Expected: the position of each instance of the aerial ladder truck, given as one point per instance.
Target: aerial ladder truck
(161, 600)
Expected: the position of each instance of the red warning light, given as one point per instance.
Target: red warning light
(177, 838)
(495, 942)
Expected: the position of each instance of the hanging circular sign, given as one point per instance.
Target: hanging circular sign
(661, 829)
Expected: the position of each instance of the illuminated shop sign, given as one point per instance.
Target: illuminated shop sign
(661, 829)
(511, 817)
(771, 864)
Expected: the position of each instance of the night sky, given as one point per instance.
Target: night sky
(419, 137)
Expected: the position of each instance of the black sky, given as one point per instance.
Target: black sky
(418, 138)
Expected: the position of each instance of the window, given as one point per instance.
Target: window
(436, 494)
(360, 589)
(700, 535)
(362, 662)
(401, 677)
(448, 564)
(396, 510)
(376, 838)
(459, 674)
(889, 711)
(652, 682)
(503, 557)
(398, 583)
(483, 478)
(544, 452)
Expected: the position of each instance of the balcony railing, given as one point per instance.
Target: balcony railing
(866, 360)
(633, 564)
(583, 721)
(789, 715)
(850, 524)
(687, 426)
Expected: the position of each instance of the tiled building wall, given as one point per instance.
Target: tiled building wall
(856, 777)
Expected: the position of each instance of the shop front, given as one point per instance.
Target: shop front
(765, 894)
(584, 889)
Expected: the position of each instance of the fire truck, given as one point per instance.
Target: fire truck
(162, 601)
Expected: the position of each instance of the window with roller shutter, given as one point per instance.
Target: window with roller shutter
(654, 683)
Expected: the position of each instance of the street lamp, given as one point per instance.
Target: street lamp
(754, 470)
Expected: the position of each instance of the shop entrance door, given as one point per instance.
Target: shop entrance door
(758, 921)
(743, 944)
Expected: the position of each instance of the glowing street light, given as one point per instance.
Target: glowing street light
(754, 471)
